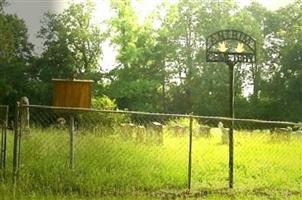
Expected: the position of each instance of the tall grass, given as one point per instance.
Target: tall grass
(114, 165)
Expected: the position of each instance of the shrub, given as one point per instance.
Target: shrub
(99, 121)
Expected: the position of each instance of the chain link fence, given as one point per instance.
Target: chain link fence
(266, 154)
(96, 151)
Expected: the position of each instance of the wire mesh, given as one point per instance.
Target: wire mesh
(210, 153)
(95, 151)
(268, 155)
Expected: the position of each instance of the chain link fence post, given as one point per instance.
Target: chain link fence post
(190, 153)
(4, 126)
(16, 145)
(21, 125)
(72, 142)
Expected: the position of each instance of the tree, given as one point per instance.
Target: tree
(197, 82)
(72, 43)
(15, 58)
(287, 81)
(136, 78)
(278, 91)
(175, 56)
(3, 3)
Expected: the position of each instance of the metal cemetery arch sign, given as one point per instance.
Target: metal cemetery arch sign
(222, 54)
(231, 47)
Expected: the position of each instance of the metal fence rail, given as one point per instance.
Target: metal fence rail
(101, 151)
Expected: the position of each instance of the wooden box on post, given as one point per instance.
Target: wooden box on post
(75, 94)
(72, 93)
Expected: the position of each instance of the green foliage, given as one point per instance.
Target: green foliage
(288, 79)
(15, 58)
(183, 122)
(160, 65)
(3, 3)
(104, 103)
(136, 78)
(280, 93)
(96, 121)
(72, 43)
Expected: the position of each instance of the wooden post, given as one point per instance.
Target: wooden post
(72, 142)
(24, 117)
(24, 123)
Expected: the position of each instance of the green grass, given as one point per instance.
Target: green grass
(264, 194)
(113, 167)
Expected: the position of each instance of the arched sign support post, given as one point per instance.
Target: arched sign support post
(244, 51)
(232, 115)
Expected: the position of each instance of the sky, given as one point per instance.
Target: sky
(32, 12)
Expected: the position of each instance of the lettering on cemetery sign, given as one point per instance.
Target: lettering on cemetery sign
(218, 47)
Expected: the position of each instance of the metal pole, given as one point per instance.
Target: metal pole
(231, 130)
(4, 125)
(2, 134)
(5, 142)
(190, 155)
(2, 146)
(21, 122)
(71, 144)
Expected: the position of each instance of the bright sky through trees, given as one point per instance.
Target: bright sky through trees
(159, 68)
(32, 11)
